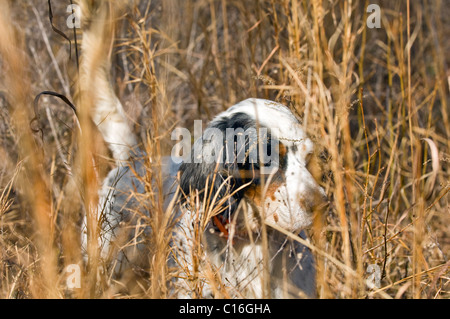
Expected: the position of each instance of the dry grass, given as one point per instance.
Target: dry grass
(375, 101)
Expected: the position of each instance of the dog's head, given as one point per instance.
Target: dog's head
(255, 155)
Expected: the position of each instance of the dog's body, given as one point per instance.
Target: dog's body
(237, 198)
(284, 196)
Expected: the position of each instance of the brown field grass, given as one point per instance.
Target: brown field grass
(374, 100)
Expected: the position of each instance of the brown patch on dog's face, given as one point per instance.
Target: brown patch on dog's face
(275, 217)
(254, 196)
(254, 191)
(282, 151)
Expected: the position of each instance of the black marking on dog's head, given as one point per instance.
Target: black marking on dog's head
(240, 170)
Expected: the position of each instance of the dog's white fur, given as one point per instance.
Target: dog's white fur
(240, 261)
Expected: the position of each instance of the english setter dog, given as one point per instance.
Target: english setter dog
(235, 191)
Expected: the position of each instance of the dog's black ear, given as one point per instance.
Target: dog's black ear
(217, 168)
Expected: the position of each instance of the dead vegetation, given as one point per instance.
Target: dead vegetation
(374, 100)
